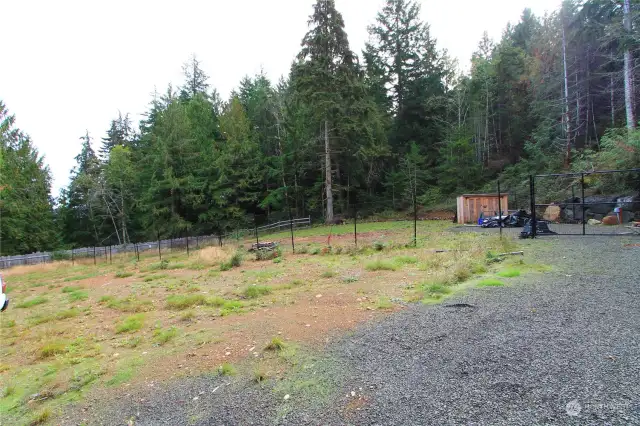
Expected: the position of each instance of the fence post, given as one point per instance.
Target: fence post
(187, 232)
(255, 224)
(584, 219)
(94, 255)
(135, 247)
(532, 190)
(159, 249)
(72, 259)
(110, 260)
(197, 243)
(573, 200)
(415, 219)
(500, 209)
(355, 224)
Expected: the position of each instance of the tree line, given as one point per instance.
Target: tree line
(395, 123)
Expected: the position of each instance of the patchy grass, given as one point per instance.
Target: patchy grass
(154, 277)
(51, 349)
(82, 277)
(162, 337)
(71, 289)
(381, 265)
(490, 282)
(41, 418)
(182, 302)
(130, 324)
(350, 279)
(405, 260)
(29, 303)
(509, 273)
(255, 291)
(124, 274)
(435, 291)
(276, 344)
(383, 303)
(328, 274)
(188, 316)
(125, 371)
(260, 374)
(226, 369)
(234, 262)
(78, 295)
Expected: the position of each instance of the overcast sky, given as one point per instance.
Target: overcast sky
(70, 66)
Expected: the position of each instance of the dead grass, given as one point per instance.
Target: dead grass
(212, 256)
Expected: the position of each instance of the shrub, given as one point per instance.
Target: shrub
(71, 289)
(302, 250)
(255, 291)
(124, 274)
(276, 344)
(236, 259)
(435, 291)
(38, 300)
(130, 324)
(60, 255)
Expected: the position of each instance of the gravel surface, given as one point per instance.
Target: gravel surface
(561, 347)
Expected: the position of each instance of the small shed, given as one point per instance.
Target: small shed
(470, 206)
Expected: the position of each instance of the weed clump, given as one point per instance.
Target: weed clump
(328, 274)
(509, 273)
(181, 302)
(255, 291)
(130, 324)
(52, 349)
(226, 369)
(234, 262)
(124, 274)
(276, 344)
(490, 282)
(163, 336)
(381, 265)
(78, 295)
(38, 300)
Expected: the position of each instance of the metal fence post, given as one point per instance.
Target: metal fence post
(584, 219)
(415, 219)
(532, 190)
(110, 259)
(72, 259)
(159, 249)
(500, 209)
(355, 224)
(187, 232)
(94, 255)
(255, 224)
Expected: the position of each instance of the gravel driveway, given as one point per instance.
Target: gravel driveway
(556, 348)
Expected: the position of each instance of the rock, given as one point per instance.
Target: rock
(573, 408)
(318, 296)
(552, 213)
(611, 220)
(287, 396)
(594, 222)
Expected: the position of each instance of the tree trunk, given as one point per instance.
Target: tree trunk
(327, 159)
(628, 70)
(567, 118)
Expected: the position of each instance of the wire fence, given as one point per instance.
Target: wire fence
(106, 254)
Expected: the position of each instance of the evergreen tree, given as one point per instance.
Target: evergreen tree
(26, 212)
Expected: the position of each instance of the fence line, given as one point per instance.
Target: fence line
(184, 242)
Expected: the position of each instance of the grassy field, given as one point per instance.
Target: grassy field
(84, 329)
